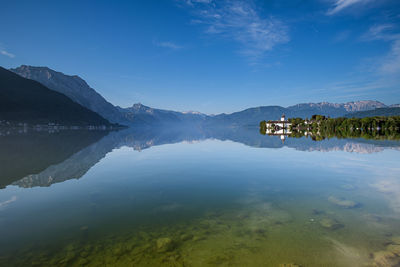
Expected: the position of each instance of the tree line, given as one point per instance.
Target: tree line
(320, 127)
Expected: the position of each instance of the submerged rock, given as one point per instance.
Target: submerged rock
(394, 248)
(390, 256)
(330, 224)
(385, 258)
(343, 202)
(396, 240)
(165, 244)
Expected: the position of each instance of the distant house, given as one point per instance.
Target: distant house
(281, 127)
(281, 124)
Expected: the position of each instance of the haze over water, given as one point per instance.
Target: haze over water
(234, 198)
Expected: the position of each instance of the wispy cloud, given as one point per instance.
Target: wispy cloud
(390, 63)
(349, 89)
(376, 76)
(384, 32)
(169, 45)
(7, 54)
(339, 5)
(242, 22)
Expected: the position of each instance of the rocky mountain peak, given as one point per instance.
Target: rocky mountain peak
(363, 105)
(349, 106)
(140, 108)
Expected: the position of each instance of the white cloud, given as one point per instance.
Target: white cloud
(241, 21)
(169, 45)
(7, 54)
(339, 5)
(381, 32)
(390, 63)
(377, 30)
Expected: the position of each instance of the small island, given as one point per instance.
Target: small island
(320, 127)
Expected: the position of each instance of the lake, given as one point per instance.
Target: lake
(197, 197)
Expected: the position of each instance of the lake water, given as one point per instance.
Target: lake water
(197, 197)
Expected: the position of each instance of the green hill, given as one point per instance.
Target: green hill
(395, 111)
(28, 101)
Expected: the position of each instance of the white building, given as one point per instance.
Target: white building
(280, 128)
(278, 125)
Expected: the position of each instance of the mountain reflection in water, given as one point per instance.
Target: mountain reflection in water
(42, 159)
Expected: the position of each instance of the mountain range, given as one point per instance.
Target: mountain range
(74, 87)
(391, 111)
(253, 116)
(29, 101)
(80, 92)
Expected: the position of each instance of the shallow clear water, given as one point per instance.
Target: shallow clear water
(233, 198)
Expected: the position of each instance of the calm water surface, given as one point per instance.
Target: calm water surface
(232, 198)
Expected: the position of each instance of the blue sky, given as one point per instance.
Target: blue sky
(212, 56)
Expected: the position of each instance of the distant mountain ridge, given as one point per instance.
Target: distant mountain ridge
(152, 115)
(74, 87)
(391, 111)
(79, 91)
(252, 116)
(28, 101)
(348, 107)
